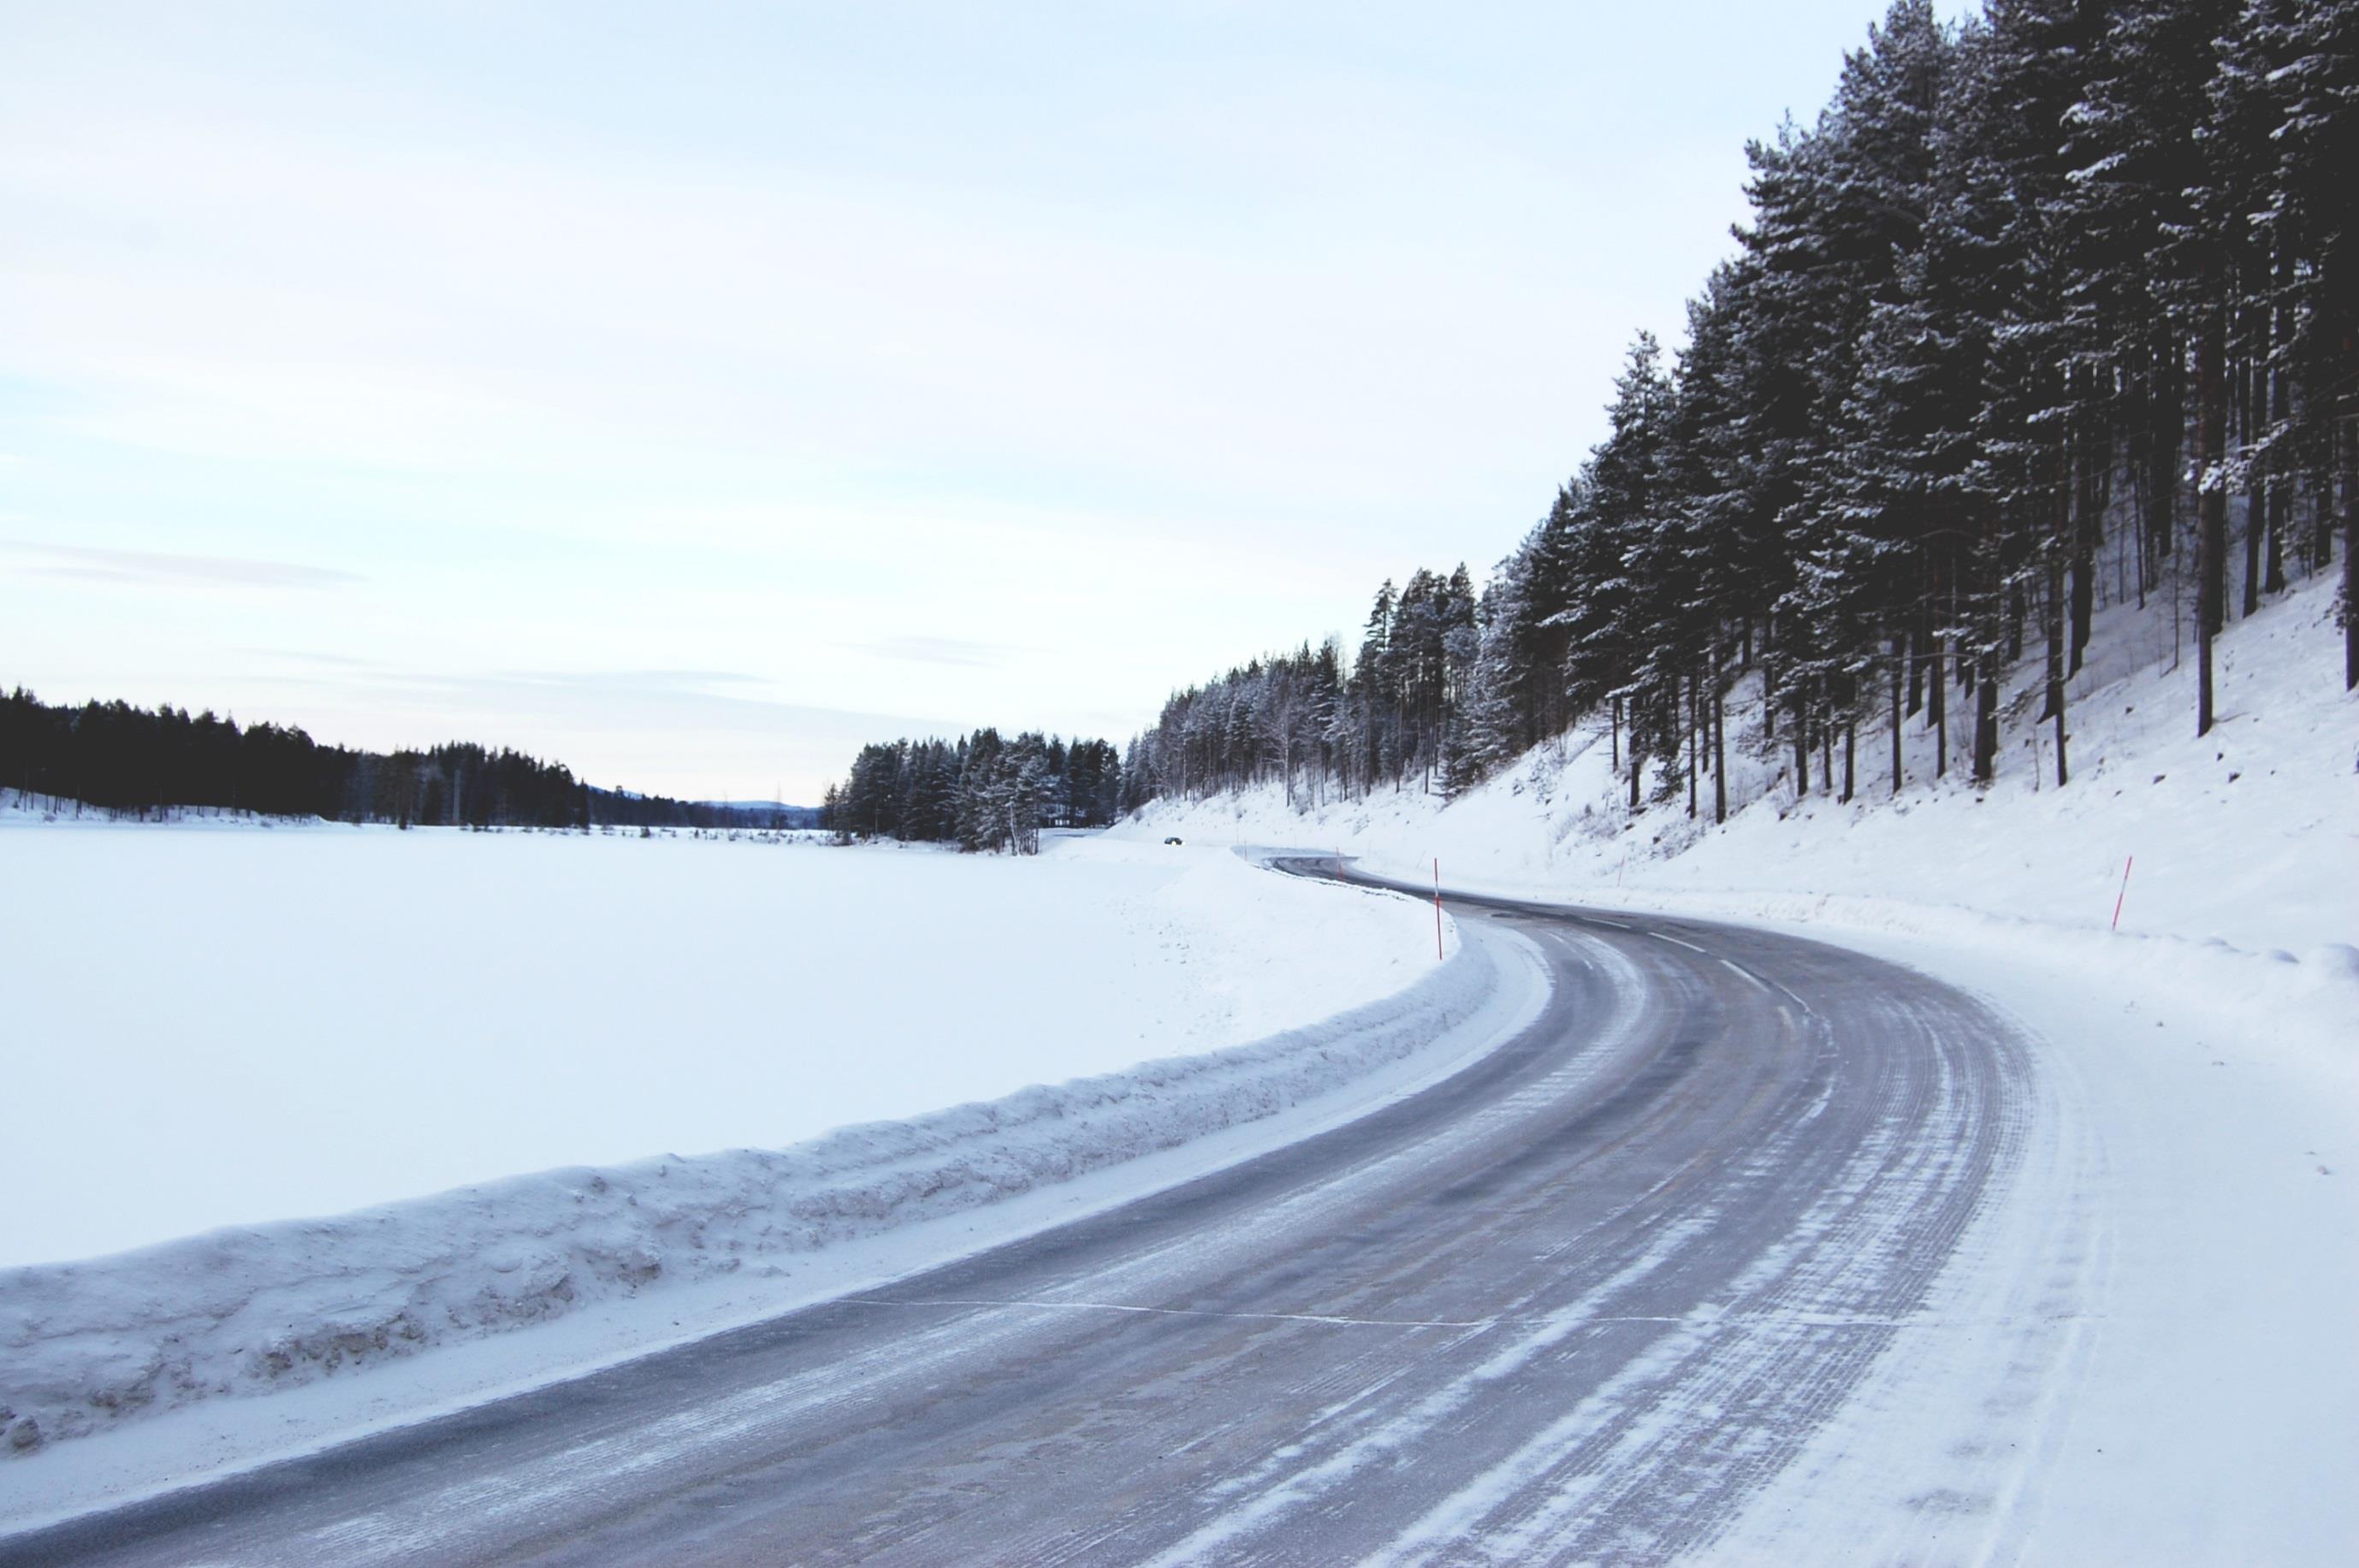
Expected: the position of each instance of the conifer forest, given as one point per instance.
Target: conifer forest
(2053, 309)
(132, 761)
(981, 792)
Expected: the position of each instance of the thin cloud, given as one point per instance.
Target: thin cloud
(658, 700)
(155, 568)
(301, 657)
(942, 651)
(636, 681)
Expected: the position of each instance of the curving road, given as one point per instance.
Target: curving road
(1580, 1301)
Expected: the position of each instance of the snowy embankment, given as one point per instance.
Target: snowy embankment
(2241, 848)
(2191, 1187)
(504, 1000)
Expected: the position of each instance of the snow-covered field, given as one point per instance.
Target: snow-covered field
(2191, 1205)
(246, 1024)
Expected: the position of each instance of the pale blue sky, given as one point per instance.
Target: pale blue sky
(689, 392)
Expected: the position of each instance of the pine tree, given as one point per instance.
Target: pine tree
(2308, 219)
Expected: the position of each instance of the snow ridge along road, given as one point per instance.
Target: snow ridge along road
(1583, 1300)
(91, 1350)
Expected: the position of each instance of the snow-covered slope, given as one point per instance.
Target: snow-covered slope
(2247, 837)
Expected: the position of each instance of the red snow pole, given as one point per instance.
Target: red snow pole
(2127, 861)
(1437, 906)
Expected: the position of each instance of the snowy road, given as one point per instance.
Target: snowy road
(1583, 1301)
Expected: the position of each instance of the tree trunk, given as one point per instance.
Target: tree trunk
(2280, 411)
(1851, 757)
(1802, 757)
(1916, 660)
(2254, 511)
(2056, 656)
(2063, 776)
(2248, 431)
(1899, 681)
(1938, 695)
(2087, 509)
(2320, 549)
(2273, 577)
(1986, 722)
(2051, 630)
(1719, 742)
(2138, 504)
(2350, 441)
(2211, 499)
(2273, 553)
(1695, 721)
(2165, 429)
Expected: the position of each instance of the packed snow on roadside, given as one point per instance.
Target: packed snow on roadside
(2187, 1208)
(231, 1028)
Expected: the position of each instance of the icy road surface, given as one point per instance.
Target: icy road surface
(1581, 1301)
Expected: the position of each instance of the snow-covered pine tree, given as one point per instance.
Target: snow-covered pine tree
(2035, 410)
(2133, 147)
(2308, 218)
(1622, 643)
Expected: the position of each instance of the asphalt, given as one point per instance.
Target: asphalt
(1578, 1302)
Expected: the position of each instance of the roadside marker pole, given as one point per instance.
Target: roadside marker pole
(2127, 862)
(1437, 906)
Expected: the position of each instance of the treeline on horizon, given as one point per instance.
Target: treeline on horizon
(2064, 279)
(123, 759)
(981, 792)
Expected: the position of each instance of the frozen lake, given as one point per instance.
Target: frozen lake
(221, 1024)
